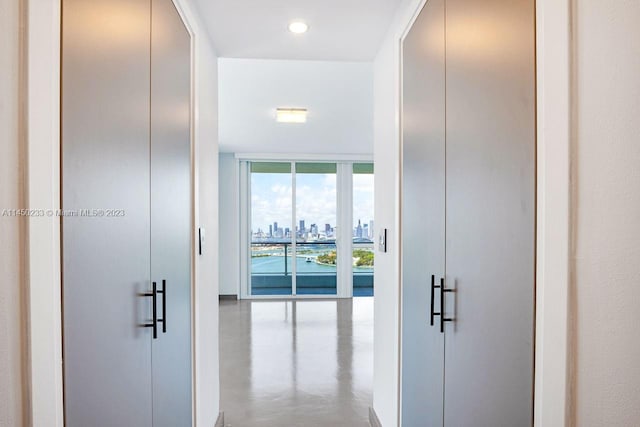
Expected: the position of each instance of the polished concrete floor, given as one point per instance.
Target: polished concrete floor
(304, 363)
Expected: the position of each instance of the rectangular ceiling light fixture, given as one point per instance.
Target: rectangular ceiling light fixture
(291, 115)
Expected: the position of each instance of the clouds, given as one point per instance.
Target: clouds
(316, 199)
(362, 198)
(270, 200)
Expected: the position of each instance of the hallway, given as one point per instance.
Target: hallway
(296, 363)
(197, 198)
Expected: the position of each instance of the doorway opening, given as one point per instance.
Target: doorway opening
(309, 229)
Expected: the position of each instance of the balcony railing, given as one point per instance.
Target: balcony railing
(316, 272)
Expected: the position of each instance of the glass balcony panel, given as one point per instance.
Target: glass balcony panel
(316, 212)
(271, 269)
(316, 269)
(363, 229)
(271, 237)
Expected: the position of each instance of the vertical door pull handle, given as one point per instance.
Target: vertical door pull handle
(164, 306)
(433, 295)
(442, 305)
(154, 324)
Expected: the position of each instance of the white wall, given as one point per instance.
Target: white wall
(338, 96)
(386, 301)
(606, 213)
(11, 273)
(207, 366)
(44, 264)
(387, 181)
(229, 226)
(553, 204)
(206, 295)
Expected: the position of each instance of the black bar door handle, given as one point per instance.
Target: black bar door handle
(433, 295)
(442, 305)
(154, 324)
(164, 306)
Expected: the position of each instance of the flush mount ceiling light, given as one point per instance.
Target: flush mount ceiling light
(291, 115)
(298, 27)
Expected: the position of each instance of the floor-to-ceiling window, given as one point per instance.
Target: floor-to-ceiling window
(299, 236)
(316, 225)
(363, 229)
(271, 253)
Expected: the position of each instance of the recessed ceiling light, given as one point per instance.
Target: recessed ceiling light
(291, 115)
(298, 27)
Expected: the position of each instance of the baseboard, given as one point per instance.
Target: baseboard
(220, 420)
(228, 297)
(373, 418)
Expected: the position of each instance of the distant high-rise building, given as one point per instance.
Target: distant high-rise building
(275, 227)
(259, 234)
(314, 229)
(359, 230)
(327, 229)
(270, 230)
(365, 231)
(287, 232)
(302, 229)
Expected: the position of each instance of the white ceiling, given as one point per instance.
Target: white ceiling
(339, 30)
(337, 95)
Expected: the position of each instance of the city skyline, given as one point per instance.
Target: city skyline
(316, 198)
(363, 229)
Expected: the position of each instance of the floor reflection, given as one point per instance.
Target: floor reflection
(296, 363)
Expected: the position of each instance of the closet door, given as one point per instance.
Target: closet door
(171, 214)
(423, 221)
(490, 212)
(105, 165)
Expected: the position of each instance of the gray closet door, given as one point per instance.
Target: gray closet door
(105, 165)
(423, 216)
(171, 213)
(490, 212)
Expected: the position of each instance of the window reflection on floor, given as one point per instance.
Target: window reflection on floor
(293, 363)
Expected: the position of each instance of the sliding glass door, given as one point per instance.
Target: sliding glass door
(316, 219)
(271, 266)
(363, 229)
(300, 237)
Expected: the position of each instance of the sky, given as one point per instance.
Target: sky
(316, 199)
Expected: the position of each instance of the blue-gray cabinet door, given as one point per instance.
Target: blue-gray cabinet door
(105, 181)
(171, 214)
(490, 212)
(423, 217)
